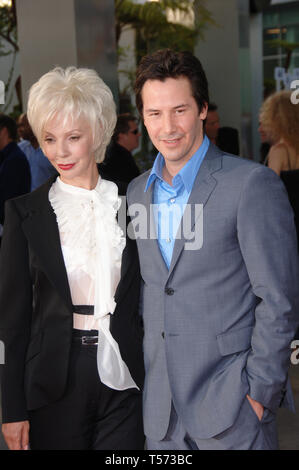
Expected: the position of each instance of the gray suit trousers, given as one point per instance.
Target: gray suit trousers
(247, 433)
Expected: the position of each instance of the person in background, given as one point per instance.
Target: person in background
(119, 162)
(226, 138)
(69, 285)
(265, 145)
(212, 123)
(279, 119)
(15, 176)
(40, 167)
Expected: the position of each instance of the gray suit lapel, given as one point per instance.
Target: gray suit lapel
(203, 187)
(152, 241)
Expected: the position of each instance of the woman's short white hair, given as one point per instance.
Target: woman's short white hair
(73, 93)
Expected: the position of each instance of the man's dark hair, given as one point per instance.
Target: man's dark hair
(167, 63)
(122, 125)
(10, 124)
(212, 107)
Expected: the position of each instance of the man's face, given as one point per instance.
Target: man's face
(3, 134)
(212, 125)
(20, 127)
(172, 119)
(130, 139)
(24, 129)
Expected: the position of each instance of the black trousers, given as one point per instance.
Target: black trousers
(89, 415)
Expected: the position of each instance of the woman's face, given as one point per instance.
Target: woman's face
(263, 135)
(70, 150)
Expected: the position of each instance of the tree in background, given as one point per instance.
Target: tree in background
(157, 26)
(9, 46)
(154, 28)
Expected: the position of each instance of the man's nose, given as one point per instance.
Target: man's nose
(169, 125)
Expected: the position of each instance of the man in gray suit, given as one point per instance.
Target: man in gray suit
(218, 255)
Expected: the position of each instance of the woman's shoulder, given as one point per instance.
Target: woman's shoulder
(280, 148)
(278, 157)
(34, 198)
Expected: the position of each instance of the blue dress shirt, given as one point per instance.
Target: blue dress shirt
(170, 201)
(40, 167)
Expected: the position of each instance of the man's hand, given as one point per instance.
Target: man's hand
(16, 435)
(257, 407)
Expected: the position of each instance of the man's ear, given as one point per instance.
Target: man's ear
(204, 112)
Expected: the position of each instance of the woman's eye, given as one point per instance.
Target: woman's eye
(75, 137)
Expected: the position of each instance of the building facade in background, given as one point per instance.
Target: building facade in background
(238, 54)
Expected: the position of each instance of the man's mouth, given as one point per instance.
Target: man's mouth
(171, 141)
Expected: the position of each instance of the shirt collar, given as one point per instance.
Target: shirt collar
(189, 171)
(68, 188)
(156, 171)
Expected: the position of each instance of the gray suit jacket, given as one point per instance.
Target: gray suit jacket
(219, 323)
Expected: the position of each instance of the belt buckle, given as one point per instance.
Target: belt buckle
(87, 340)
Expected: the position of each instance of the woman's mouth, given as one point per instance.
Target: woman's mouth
(68, 166)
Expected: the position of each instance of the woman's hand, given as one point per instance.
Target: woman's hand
(16, 435)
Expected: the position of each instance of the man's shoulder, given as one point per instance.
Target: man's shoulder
(233, 165)
(115, 150)
(138, 184)
(24, 144)
(243, 176)
(15, 156)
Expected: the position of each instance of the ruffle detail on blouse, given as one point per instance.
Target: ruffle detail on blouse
(90, 235)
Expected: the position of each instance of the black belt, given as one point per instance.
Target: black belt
(83, 309)
(85, 337)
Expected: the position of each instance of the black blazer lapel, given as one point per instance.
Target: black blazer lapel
(41, 230)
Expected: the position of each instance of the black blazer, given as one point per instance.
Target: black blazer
(15, 177)
(36, 308)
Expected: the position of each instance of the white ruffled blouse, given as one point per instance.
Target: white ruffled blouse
(92, 244)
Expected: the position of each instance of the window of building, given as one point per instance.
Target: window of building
(280, 23)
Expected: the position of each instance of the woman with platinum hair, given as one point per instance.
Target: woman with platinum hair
(69, 285)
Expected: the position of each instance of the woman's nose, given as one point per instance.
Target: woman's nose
(62, 149)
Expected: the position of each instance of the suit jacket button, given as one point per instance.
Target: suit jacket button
(163, 334)
(169, 291)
